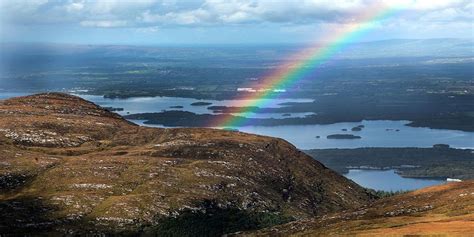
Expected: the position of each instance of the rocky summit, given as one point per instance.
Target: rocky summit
(68, 166)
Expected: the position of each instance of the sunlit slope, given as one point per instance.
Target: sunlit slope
(444, 210)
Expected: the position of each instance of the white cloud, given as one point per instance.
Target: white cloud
(426, 5)
(159, 13)
(74, 6)
(197, 16)
(103, 24)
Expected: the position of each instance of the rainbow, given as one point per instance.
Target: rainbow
(304, 62)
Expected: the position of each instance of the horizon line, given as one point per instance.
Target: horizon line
(221, 44)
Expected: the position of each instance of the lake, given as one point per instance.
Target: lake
(388, 180)
(159, 104)
(377, 133)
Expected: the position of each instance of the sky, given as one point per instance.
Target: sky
(154, 22)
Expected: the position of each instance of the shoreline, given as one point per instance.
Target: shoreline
(430, 163)
(460, 123)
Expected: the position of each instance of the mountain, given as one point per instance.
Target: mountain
(68, 166)
(443, 210)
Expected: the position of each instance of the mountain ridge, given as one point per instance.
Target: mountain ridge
(74, 167)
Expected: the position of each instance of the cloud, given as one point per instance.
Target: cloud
(197, 16)
(75, 7)
(103, 24)
(168, 13)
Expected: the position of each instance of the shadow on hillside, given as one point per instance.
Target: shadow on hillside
(22, 216)
(214, 220)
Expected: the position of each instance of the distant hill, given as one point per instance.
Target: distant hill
(70, 167)
(412, 48)
(444, 47)
(217, 71)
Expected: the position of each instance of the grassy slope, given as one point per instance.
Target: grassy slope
(444, 210)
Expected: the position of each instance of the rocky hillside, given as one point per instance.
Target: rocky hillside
(69, 166)
(444, 210)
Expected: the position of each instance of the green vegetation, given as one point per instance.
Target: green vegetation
(212, 220)
(112, 109)
(384, 194)
(201, 103)
(343, 136)
(436, 162)
(456, 121)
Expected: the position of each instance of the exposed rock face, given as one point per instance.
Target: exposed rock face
(71, 166)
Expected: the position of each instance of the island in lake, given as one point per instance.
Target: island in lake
(190, 119)
(343, 136)
(201, 103)
(358, 128)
